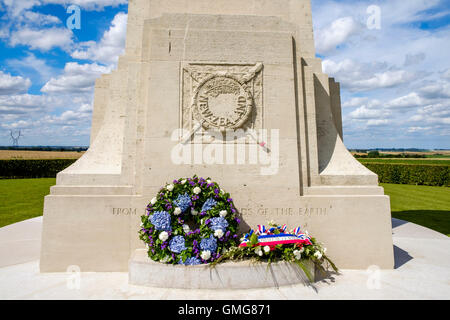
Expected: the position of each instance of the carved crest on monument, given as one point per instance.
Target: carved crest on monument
(221, 96)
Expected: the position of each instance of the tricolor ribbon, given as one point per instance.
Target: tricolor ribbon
(297, 231)
(262, 230)
(269, 237)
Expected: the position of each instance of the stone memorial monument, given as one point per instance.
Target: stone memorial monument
(226, 89)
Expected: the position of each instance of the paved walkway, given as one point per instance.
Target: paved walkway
(422, 272)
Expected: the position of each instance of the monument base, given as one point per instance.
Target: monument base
(230, 275)
(100, 232)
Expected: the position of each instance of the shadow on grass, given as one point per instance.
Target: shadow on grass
(433, 219)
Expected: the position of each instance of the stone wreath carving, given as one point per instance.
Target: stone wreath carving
(223, 100)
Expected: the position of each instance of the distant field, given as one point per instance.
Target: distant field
(443, 161)
(37, 155)
(442, 154)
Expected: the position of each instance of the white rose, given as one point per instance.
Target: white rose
(297, 254)
(221, 190)
(142, 224)
(218, 233)
(163, 236)
(205, 255)
(194, 212)
(209, 181)
(186, 228)
(183, 181)
(153, 201)
(166, 259)
(318, 255)
(197, 190)
(259, 251)
(177, 211)
(266, 249)
(147, 246)
(302, 250)
(324, 250)
(223, 213)
(170, 187)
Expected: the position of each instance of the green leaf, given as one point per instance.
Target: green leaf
(331, 263)
(253, 239)
(305, 270)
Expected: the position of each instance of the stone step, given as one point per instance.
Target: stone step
(229, 275)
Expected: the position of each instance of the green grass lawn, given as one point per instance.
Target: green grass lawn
(423, 205)
(22, 199)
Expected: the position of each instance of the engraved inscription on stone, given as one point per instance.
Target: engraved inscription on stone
(280, 212)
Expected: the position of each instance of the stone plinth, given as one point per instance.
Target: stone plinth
(230, 275)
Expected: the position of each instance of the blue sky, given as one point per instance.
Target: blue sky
(391, 58)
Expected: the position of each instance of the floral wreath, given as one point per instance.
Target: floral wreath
(275, 244)
(190, 222)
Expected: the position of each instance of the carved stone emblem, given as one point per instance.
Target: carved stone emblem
(222, 102)
(221, 96)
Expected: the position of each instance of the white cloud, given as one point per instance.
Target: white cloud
(419, 129)
(15, 7)
(336, 34)
(88, 4)
(32, 64)
(382, 80)
(355, 76)
(77, 78)
(42, 39)
(10, 85)
(354, 102)
(409, 101)
(20, 124)
(365, 113)
(26, 104)
(110, 46)
(38, 19)
(436, 90)
(378, 122)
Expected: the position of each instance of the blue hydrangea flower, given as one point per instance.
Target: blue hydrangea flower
(218, 223)
(177, 244)
(191, 261)
(161, 221)
(183, 202)
(209, 204)
(209, 244)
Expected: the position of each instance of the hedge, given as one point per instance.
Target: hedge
(420, 174)
(415, 174)
(21, 169)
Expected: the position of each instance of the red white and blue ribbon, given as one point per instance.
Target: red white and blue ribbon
(262, 230)
(269, 238)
